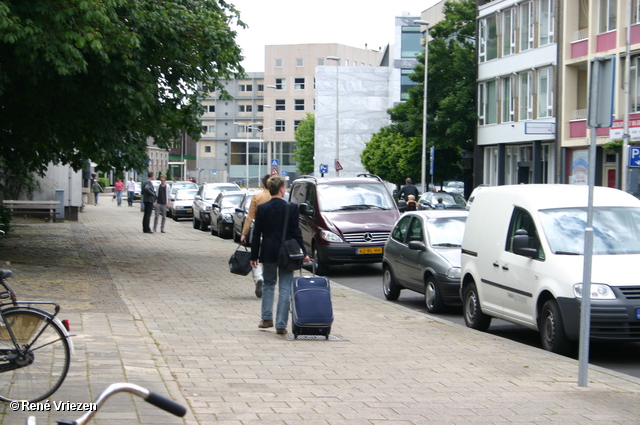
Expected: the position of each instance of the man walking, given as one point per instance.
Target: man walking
(258, 199)
(149, 201)
(162, 203)
(131, 188)
(408, 189)
(265, 244)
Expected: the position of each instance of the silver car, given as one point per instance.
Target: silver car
(423, 254)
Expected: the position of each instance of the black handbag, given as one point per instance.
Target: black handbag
(290, 255)
(240, 262)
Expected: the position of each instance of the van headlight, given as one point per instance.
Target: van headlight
(598, 291)
(453, 273)
(330, 236)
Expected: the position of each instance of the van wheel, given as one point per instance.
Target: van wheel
(321, 268)
(432, 296)
(551, 325)
(473, 316)
(203, 225)
(196, 223)
(389, 286)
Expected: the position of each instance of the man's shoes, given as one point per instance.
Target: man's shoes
(162, 231)
(147, 231)
(265, 324)
(259, 288)
(281, 331)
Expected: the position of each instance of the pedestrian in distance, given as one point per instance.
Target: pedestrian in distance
(97, 190)
(258, 199)
(131, 189)
(408, 189)
(265, 245)
(163, 202)
(149, 198)
(439, 205)
(119, 186)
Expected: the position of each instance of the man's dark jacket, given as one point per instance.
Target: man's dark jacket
(267, 231)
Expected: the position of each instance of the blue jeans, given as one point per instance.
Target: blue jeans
(270, 274)
(119, 197)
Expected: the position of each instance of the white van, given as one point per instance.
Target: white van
(522, 261)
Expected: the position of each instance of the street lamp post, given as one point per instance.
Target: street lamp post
(337, 160)
(273, 114)
(423, 169)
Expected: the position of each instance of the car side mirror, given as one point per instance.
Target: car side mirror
(417, 246)
(198, 198)
(402, 205)
(214, 205)
(239, 210)
(306, 210)
(521, 244)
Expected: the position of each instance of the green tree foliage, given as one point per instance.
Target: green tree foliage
(94, 79)
(450, 105)
(305, 138)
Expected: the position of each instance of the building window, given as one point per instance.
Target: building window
(509, 32)
(526, 26)
(208, 129)
(410, 42)
(508, 99)
(280, 105)
(281, 83)
(245, 108)
(260, 108)
(406, 83)
(635, 11)
(298, 84)
(298, 105)
(545, 92)
(278, 63)
(608, 11)
(260, 87)
(634, 84)
(280, 127)
(488, 39)
(487, 103)
(546, 22)
(296, 123)
(210, 108)
(525, 97)
(320, 62)
(207, 148)
(299, 62)
(245, 88)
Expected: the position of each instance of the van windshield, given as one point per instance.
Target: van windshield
(354, 196)
(616, 230)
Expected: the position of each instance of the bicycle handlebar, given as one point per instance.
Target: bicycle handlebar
(157, 400)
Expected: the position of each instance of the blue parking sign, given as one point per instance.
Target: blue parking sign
(634, 156)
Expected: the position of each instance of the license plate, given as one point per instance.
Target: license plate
(190, 211)
(377, 250)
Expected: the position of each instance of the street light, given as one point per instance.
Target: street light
(271, 86)
(337, 160)
(424, 110)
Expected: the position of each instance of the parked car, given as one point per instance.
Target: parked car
(207, 193)
(344, 219)
(222, 210)
(240, 214)
(182, 203)
(138, 191)
(429, 200)
(180, 185)
(472, 197)
(454, 187)
(523, 262)
(423, 254)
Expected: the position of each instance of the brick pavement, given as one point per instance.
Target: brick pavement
(162, 310)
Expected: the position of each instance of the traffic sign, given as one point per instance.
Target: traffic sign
(275, 162)
(324, 168)
(634, 156)
(284, 172)
(338, 166)
(274, 171)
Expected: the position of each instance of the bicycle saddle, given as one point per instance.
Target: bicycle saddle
(5, 274)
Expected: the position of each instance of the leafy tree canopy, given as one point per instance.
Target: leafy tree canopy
(94, 79)
(305, 138)
(451, 116)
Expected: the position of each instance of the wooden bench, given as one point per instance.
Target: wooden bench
(34, 207)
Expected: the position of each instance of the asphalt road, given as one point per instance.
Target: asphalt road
(367, 278)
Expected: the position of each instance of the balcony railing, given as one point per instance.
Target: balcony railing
(582, 34)
(578, 114)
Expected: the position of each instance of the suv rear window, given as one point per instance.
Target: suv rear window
(354, 196)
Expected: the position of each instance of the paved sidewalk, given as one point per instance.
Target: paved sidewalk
(163, 311)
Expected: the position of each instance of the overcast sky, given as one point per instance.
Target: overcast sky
(350, 22)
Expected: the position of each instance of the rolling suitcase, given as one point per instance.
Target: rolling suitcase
(311, 309)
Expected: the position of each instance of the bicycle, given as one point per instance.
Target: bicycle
(35, 347)
(148, 396)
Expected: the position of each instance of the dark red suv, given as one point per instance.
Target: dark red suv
(344, 219)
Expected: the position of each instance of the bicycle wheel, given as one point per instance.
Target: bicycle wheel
(39, 367)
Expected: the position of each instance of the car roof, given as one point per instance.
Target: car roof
(545, 196)
(438, 213)
(338, 180)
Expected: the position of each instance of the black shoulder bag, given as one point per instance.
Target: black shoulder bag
(290, 255)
